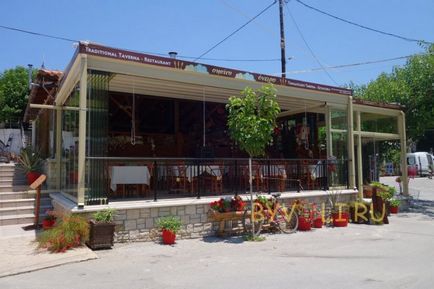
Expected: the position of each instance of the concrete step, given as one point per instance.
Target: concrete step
(12, 181)
(17, 203)
(20, 219)
(15, 195)
(25, 210)
(16, 219)
(16, 173)
(7, 188)
(8, 169)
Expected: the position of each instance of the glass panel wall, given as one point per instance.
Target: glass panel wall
(378, 123)
(70, 129)
(97, 138)
(338, 119)
(338, 171)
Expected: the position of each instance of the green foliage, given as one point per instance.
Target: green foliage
(30, 160)
(411, 86)
(252, 118)
(170, 223)
(13, 93)
(394, 202)
(253, 238)
(104, 216)
(69, 232)
(383, 191)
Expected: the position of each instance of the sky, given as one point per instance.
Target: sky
(191, 27)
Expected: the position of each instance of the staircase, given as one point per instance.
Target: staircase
(17, 204)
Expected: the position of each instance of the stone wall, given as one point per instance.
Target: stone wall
(139, 224)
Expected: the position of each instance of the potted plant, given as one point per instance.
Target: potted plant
(394, 206)
(30, 162)
(49, 220)
(304, 215)
(169, 226)
(102, 229)
(339, 212)
(317, 219)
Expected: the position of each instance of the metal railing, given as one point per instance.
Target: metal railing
(161, 178)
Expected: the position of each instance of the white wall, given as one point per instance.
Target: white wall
(17, 142)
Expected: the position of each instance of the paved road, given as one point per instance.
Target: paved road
(399, 255)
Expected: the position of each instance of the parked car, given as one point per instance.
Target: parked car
(419, 163)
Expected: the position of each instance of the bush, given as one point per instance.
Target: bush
(104, 216)
(71, 231)
(169, 223)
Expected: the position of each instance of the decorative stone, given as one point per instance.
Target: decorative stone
(130, 225)
(133, 214)
(154, 212)
(149, 223)
(190, 210)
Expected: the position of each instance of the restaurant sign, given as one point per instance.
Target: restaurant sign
(103, 51)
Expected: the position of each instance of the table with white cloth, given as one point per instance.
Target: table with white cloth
(124, 175)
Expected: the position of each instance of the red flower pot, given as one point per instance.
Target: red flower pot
(32, 176)
(48, 224)
(317, 223)
(342, 220)
(394, 210)
(168, 237)
(304, 224)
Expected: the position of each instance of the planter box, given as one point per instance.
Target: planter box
(217, 216)
(101, 235)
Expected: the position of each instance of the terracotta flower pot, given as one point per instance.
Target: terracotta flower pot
(32, 176)
(48, 224)
(317, 223)
(394, 210)
(304, 224)
(342, 220)
(168, 237)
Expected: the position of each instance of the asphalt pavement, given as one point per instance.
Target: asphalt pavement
(398, 255)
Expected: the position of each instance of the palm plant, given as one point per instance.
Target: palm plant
(30, 160)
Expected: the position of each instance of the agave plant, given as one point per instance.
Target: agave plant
(30, 160)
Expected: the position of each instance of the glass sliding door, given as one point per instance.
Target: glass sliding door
(97, 138)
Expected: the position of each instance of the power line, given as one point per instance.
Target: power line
(308, 46)
(230, 35)
(363, 26)
(38, 34)
(354, 64)
(155, 53)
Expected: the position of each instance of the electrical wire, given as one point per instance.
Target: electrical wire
(353, 64)
(234, 32)
(363, 26)
(38, 34)
(154, 53)
(308, 46)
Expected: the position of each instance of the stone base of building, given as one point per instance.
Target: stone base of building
(136, 220)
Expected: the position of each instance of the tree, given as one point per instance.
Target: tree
(412, 86)
(13, 93)
(251, 121)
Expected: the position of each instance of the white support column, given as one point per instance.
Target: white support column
(403, 144)
(328, 123)
(82, 133)
(59, 148)
(359, 154)
(350, 144)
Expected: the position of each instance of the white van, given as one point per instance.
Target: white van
(421, 162)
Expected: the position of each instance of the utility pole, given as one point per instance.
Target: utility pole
(282, 39)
